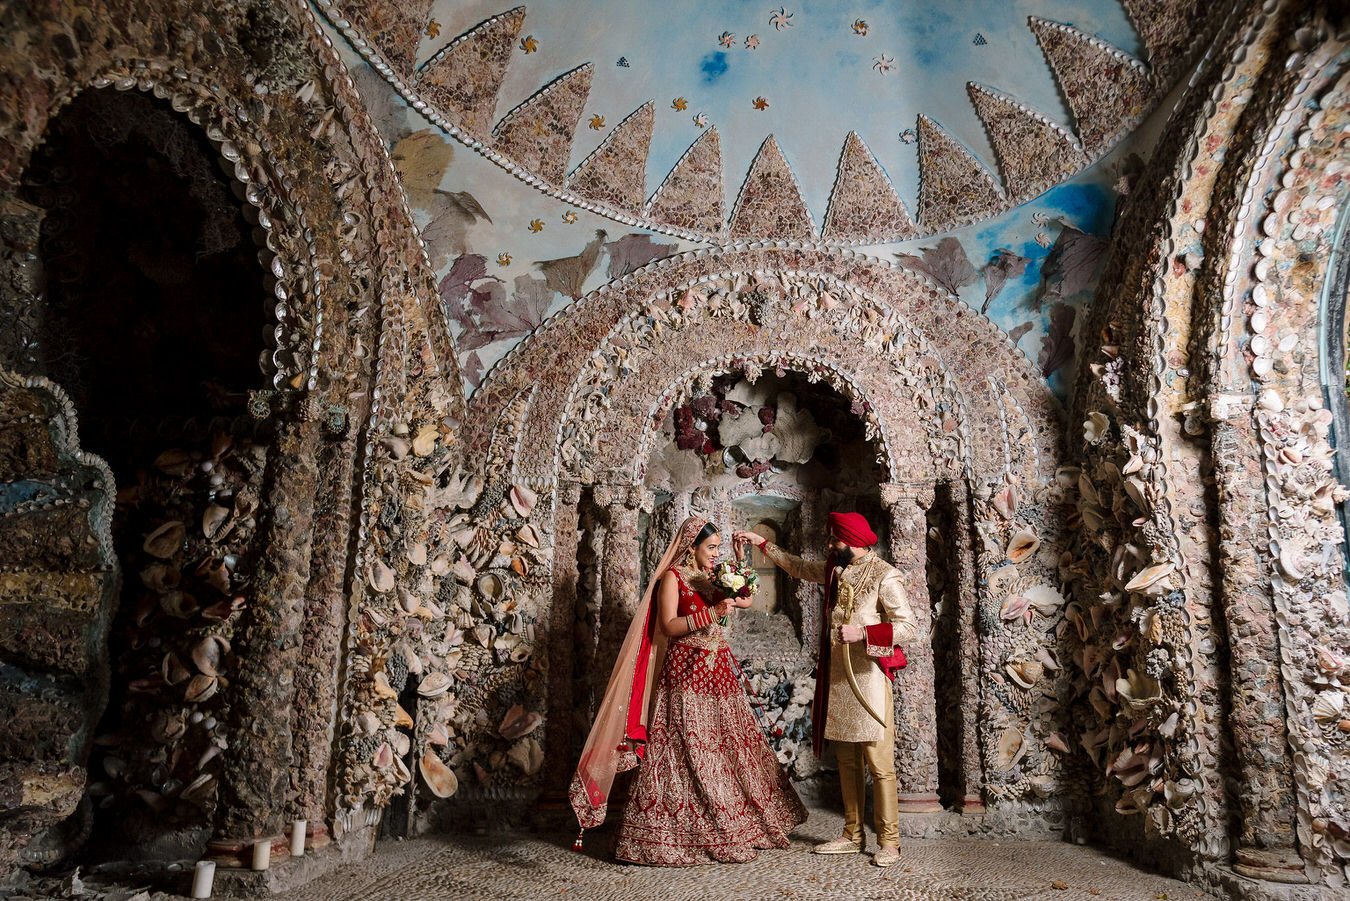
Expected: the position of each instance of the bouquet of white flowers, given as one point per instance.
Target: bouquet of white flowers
(736, 580)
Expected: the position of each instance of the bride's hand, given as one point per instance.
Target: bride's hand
(722, 608)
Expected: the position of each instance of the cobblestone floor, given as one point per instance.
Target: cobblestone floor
(520, 867)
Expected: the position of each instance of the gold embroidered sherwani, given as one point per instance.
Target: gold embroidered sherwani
(869, 594)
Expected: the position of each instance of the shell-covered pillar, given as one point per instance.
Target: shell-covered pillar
(965, 572)
(1266, 846)
(916, 762)
(620, 572)
(255, 779)
(559, 737)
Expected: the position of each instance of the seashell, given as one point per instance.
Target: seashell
(1046, 599)
(1005, 502)
(179, 604)
(1055, 742)
(402, 718)
(382, 687)
(491, 585)
(438, 777)
(1011, 748)
(434, 685)
(175, 462)
(1095, 427)
(1328, 706)
(424, 442)
(1094, 519)
(173, 670)
(1329, 661)
(523, 500)
(527, 754)
(1015, 607)
(1134, 490)
(407, 601)
(438, 735)
(1271, 401)
(1022, 545)
(381, 576)
(1002, 579)
(168, 727)
(1025, 673)
(462, 571)
(398, 447)
(517, 723)
(213, 520)
(1132, 465)
(198, 789)
(366, 723)
(519, 565)
(1169, 725)
(400, 741)
(165, 541)
(484, 634)
(1087, 491)
(215, 573)
(160, 577)
(440, 565)
(201, 688)
(1152, 579)
(1292, 563)
(221, 611)
(207, 654)
(417, 554)
(528, 536)
(383, 757)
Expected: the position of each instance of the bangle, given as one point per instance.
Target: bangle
(688, 625)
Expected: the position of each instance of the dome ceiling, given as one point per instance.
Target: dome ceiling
(860, 124)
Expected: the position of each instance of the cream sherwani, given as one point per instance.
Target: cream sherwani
(869, 594)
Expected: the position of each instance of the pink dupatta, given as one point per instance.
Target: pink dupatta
(614, 743)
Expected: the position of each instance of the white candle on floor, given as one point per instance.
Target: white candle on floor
(298, 838)
(202, 878)
(262, 854)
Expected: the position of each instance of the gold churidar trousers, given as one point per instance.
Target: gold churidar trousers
(878, 758)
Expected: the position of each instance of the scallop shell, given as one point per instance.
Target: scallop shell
(1328, 706)
(401, 743)
(165, 541)
(438, 777)
(517, 723)
(1022, 545)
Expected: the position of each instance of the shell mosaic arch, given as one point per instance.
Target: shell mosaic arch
(460, 85)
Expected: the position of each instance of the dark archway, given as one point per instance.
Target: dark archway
(153, 320)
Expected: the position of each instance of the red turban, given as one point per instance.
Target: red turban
(852, 529)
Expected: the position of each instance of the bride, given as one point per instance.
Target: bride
(709, 786)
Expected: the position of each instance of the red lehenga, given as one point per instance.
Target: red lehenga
(709, 786)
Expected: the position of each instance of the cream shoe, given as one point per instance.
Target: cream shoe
(839, 846)
(886, 856)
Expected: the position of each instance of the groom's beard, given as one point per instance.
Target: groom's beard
(844, 557)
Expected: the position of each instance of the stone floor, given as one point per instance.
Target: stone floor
(507, 868)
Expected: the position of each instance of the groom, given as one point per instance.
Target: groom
(867, 618)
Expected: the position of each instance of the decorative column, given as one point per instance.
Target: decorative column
(966, 573)
(620, 573)
(316, 684)
(916, 767)
(1266, 845)
(256, 775)
(559, 737)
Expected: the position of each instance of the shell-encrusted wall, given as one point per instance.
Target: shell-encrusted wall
(1209, 604)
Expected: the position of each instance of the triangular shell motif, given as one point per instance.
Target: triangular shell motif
(954, 187)
(864, 205)
(462, 81)
(1033, 152)
(616, 173)
(1168, 28)
(537, 135)
(770, 204)
(690, 197)
(393, 29)
(1107, 89)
